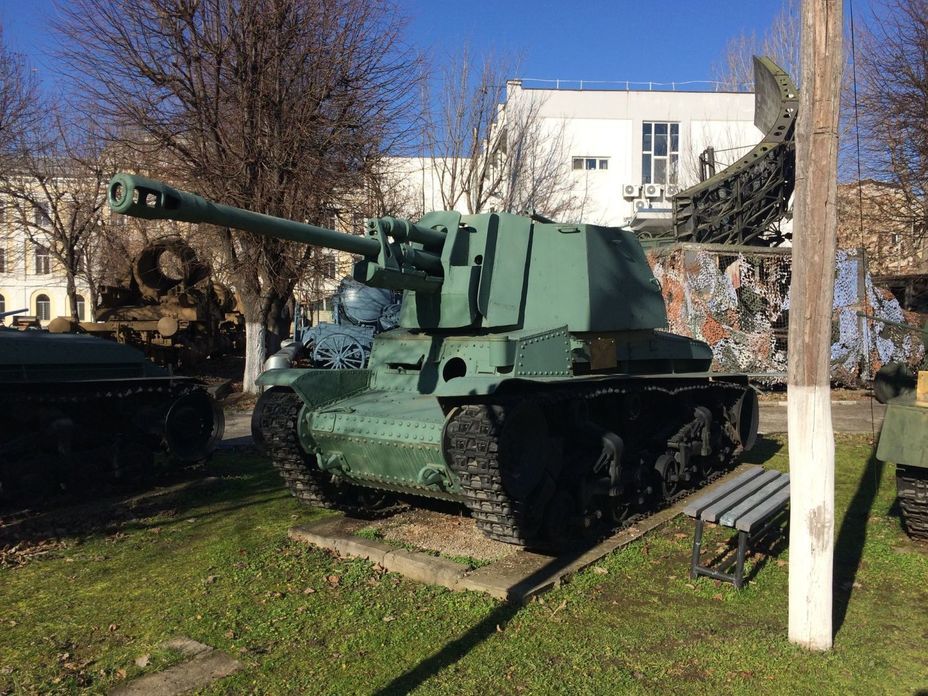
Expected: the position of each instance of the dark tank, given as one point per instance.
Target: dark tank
(80, 412)
(531, 377)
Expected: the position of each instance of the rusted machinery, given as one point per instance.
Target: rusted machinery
(168, 306)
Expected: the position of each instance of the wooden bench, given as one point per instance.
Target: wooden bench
(751, 503)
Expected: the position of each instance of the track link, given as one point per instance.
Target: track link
(277, 421)
(477, 453)
(912, 487)
(278, 424)
(474, 454)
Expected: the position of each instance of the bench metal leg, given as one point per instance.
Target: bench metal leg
(697, 547)
(739, 567)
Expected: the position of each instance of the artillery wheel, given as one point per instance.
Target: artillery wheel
(912, 487)
(339, 351)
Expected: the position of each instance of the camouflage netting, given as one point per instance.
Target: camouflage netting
(736, 299)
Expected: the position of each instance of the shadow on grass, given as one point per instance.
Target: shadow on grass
(763, 547)
(762, 452)
(495, 620)
(229, 482)
(849, 544)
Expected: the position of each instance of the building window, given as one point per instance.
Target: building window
(43, 264)
(589, 163)
(43, 308)
(660, 152)
(2, 260)
(40, 214)
(2, 306)
(79, 301)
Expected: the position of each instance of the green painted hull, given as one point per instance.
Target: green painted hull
(394, 440)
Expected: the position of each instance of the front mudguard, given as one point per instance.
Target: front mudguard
(316, 388)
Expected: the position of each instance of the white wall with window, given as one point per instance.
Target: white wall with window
(42, 307)
(43, 260)
(642, 137)
(30, 278)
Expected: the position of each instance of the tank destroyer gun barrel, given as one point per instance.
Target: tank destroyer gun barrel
(396, 254)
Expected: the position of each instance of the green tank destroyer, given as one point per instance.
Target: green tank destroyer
(530, 379)
(80, 411)
(904, 441)
(904, 436)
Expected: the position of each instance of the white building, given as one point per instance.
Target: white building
(31, 279)
(618, 141)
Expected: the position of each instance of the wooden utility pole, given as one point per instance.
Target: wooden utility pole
(811, 438)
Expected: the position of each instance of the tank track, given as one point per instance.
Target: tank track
(474, 456)
(140, 447)
(473, 453)
(308, 484)
(912, 487)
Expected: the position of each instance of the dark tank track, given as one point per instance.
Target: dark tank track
(79, 437)
(542, 469)
(275, 422)
(912, 487)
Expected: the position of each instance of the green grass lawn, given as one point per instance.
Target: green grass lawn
(215, 564)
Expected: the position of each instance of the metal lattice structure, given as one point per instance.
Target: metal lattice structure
(743, 203)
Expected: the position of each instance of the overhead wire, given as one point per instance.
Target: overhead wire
(860, 211)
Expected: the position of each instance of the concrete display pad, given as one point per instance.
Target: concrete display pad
(205, 666)
(514, 578)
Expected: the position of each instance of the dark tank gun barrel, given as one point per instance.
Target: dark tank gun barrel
(411, 261)
(13, 312)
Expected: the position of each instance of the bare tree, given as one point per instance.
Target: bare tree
(56, 190)
(493, 151)
(20, 106)
(893, 77)
(280, 106)
(735, 71)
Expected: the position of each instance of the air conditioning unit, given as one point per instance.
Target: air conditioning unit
(652, 190)
(631, 190)
(671, 190)
(641, 204)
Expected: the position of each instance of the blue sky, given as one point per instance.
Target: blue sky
(587, 39)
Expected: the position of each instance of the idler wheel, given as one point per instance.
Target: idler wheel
(745, 415)
(193, 426)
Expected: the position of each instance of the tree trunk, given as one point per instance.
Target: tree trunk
(278, 323)
(71, 291)
(811, 438)
(256, 312)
